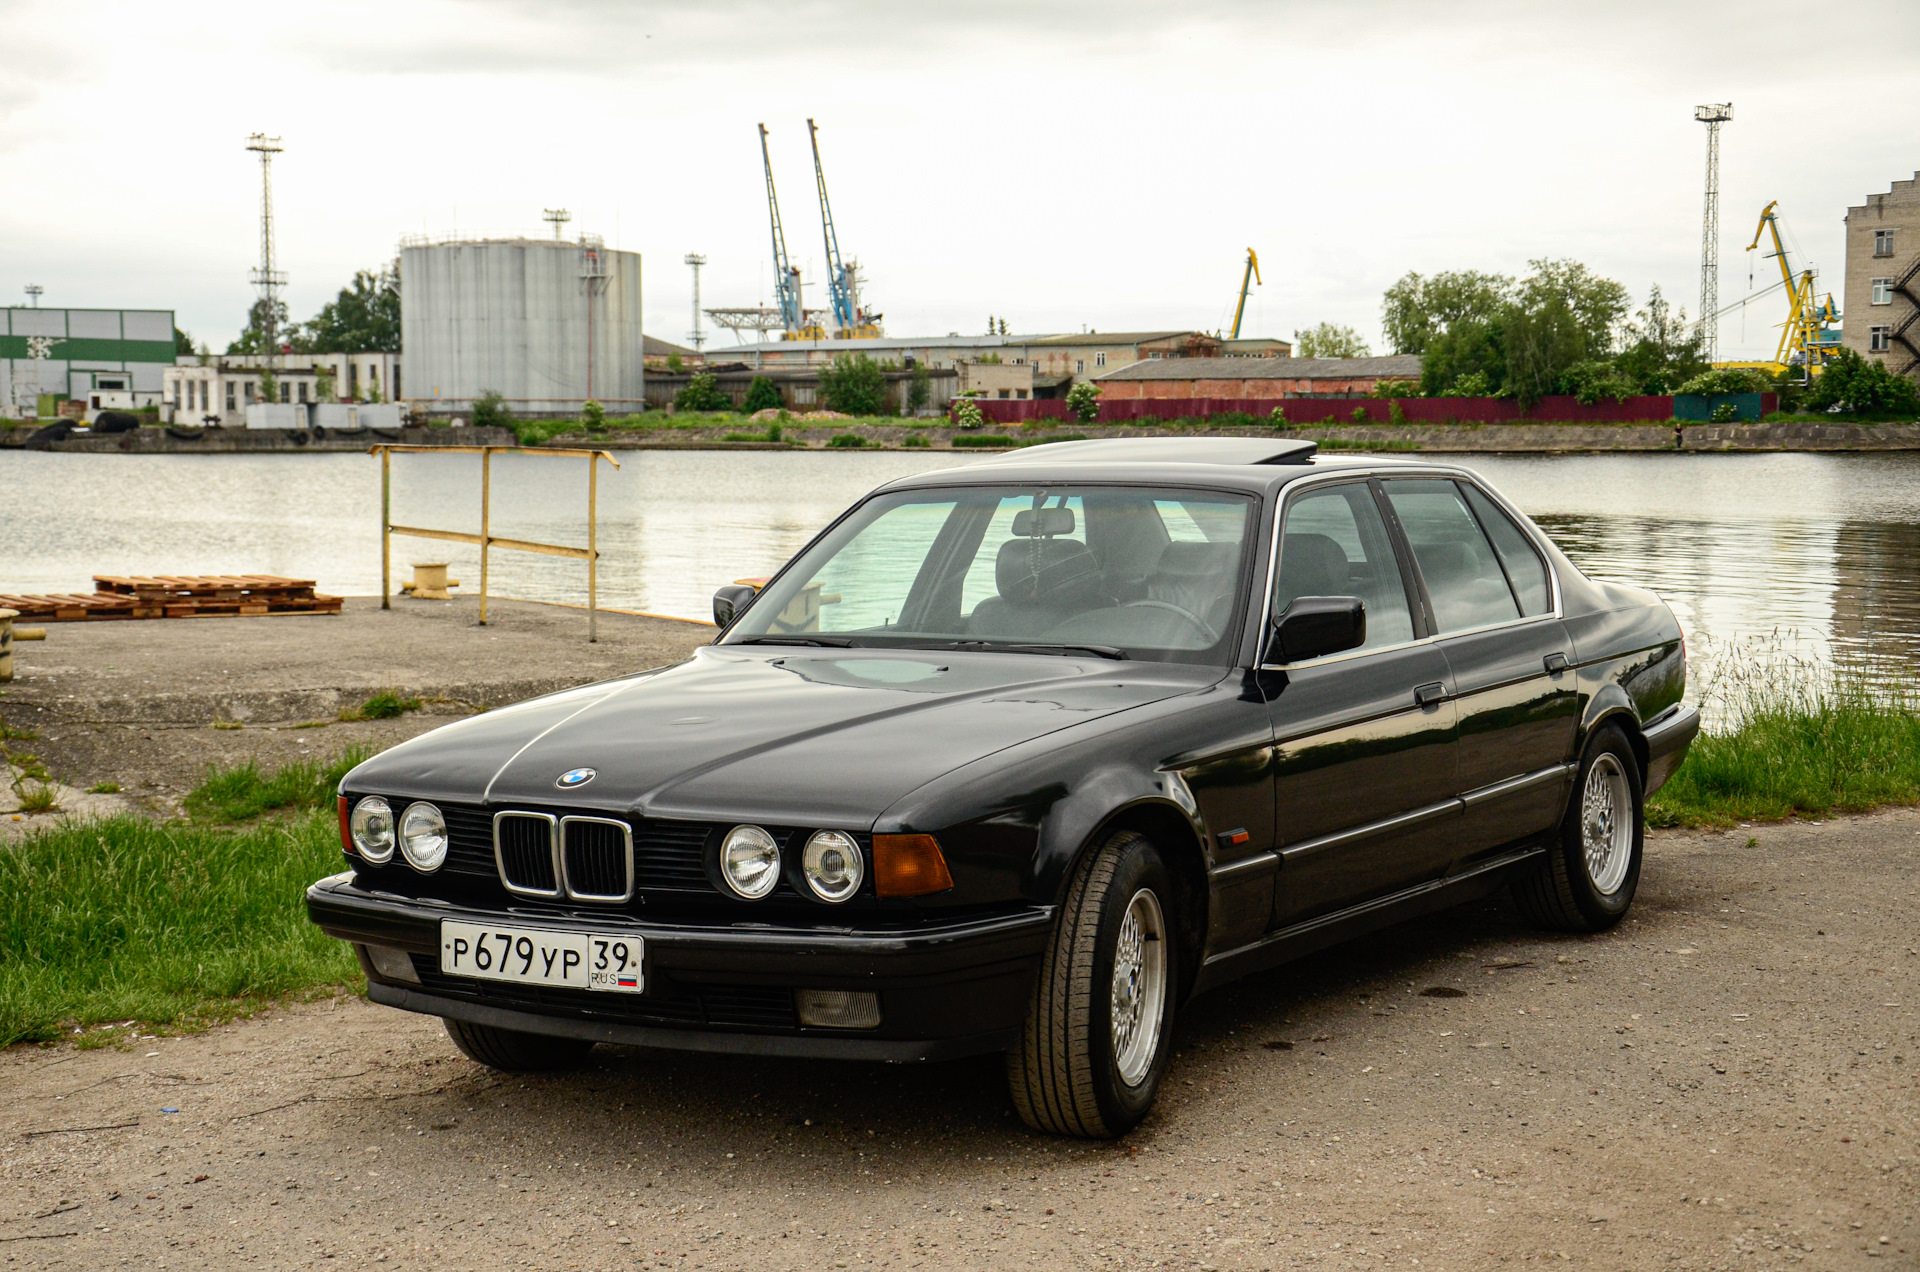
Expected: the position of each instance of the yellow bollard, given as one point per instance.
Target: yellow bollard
(8, 634)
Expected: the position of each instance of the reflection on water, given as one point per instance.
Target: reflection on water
(1817, 553)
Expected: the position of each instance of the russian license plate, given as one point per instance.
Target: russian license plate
(536, 956)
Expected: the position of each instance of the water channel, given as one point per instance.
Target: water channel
(1801, 556)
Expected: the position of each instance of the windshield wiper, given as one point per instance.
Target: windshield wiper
(824, 642)
(1103, 651)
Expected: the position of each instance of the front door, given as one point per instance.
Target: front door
(1364, 740)
(1491, 599)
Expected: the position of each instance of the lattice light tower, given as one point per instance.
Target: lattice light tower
(557, 218)
(696, 337)
(1712, 116)
(268, 279)
(34, 292)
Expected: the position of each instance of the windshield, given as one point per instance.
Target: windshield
(1124, 570)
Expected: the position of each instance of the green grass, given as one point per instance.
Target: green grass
(1797, 741)
(984, 439)
(104, 788)
(164, 924)
(243, 792)
(385, 705)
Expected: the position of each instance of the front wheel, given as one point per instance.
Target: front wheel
(511, 1051)
(1587, 880)
(1099, 1024)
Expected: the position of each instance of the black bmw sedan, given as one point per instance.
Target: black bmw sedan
(1020, 757)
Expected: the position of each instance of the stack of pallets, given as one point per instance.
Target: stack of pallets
(177, 596)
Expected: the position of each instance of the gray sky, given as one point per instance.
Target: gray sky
(1061, 164)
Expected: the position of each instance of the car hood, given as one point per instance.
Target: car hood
(814, 737)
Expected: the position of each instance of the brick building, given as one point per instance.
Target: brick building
(1880, 314)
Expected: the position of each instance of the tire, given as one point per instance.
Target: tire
(512, 1051)
(1071, 1074)
(1587, 880)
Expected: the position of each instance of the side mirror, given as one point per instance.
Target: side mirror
(729, 601)
(1315, 626)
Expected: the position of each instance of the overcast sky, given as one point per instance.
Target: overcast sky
(1060, 164)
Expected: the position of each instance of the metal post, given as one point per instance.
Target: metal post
(593, 548)
(486, 521)
(386, 528)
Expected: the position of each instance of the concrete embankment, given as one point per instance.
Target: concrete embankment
(249, 441)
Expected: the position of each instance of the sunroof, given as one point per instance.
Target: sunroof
(1165, 450)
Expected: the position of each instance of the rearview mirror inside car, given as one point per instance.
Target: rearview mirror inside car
(1315, 626)
(728, 602)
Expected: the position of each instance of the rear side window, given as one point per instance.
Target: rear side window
(1334, 543)
(1464, 578)
(1526, 572)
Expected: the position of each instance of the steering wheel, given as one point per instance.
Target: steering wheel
(1199, 624)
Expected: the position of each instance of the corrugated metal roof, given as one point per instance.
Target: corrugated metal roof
(1401, 366)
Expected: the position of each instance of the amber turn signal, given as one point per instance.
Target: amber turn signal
(909, 866)
(346, 834)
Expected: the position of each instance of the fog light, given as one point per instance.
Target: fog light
(837, 1008)
(423, 837)
(371, 826)
(391, 963)
(750, 862)
(832, 865)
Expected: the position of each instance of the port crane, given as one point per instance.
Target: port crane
(850, 321)
(1248, 276)
(1808, 336)
(786, 278)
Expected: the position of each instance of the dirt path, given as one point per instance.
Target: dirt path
(1732, 1080)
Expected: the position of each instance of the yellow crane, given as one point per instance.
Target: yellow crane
(1808, 336)
(1250, 275)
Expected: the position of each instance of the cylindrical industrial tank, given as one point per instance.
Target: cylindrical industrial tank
(513, 316)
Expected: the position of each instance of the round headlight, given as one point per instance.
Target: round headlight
(750, 862)
(372, 828)
(423, 837)
(833, 865)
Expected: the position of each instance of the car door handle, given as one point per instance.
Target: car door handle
(1556, 663)
(1430, 695)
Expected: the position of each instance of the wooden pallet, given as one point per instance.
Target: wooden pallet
(224, 587)
(177, 596)
(63, 607)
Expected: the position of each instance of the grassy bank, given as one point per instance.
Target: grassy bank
(1796, 742)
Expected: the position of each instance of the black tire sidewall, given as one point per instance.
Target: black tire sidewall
(1603, 910)
(1139, 866)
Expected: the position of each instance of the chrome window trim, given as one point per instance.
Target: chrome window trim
(553, 850)
(560, 853)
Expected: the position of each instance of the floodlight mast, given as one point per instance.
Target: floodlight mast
(268, 279)
(697, 338)
(1712, 115)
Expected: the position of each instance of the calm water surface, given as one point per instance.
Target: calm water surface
(1817, 556)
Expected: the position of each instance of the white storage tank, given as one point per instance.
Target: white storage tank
(545, 323)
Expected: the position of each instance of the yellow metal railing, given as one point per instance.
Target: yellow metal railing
(486, 539)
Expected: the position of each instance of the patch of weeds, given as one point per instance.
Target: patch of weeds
(849, 441)
(385, 705)
(985, 439)
(104, 788)
(242, 792)
(39, 797)
(915, 441)
(228, 724)
(8, 733)
(313, 724)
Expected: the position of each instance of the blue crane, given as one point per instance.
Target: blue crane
(786, 277)
(837, 281)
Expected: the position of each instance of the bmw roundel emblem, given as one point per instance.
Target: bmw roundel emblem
(574, 777)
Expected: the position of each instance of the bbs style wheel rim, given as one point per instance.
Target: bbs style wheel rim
(1139, 987)
(1606, 824)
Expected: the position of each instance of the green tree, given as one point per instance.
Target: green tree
(762, 396)
(363, 318)
(853, 385)
(1329, 341)
(1853, 385)
(1416, 310)
(1562, 314)
(491, 410)
(1662, 349)
(182, 343)
(674, 364)
(700, 394)
(254, 339)
(919, 387)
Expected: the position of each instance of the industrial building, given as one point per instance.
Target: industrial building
(1255, 378)
(545, 323)
(1881, 310)
(77, 354)
(218, 390)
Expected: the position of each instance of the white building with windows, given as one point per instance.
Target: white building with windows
(219, 390)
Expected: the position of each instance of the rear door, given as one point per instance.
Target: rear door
(1491, 600)
(1364, 740)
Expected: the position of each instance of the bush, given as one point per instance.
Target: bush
(1471, 385)
(1395, 414)
(1083, 400)
(853, 384)
(1396, 389)
(1853, 385)
(1360, 415)
(1726, 413)
(1726, 380)
(761, 396)
(915, 442)
(1594, 382)
(1278, 416)
(1232, 419)
(848, 441)
(594, 416)
(490, 410)
(919, 387)
(986, 439)
(699, 394)
(967, 414)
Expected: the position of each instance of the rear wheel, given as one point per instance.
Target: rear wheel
(511, 1051)
(1100, 1021)
(1587, 880)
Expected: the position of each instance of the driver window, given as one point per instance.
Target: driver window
(1334, 543)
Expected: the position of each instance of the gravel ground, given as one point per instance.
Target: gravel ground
(1730, 1080)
